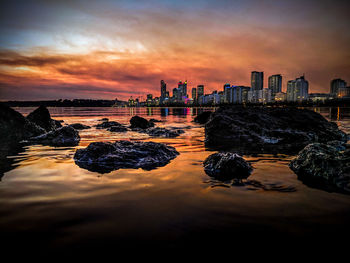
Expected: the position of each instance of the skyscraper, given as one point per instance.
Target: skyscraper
(227, 93)
(194, 94)
(162, 90)
(337, 84)
(200, 91)
(257, 80)
(275, 84)
(298, 89)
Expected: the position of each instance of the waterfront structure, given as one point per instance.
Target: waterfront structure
(280, 96)
(194, 95)
(162, 91)
(200, 93)
(337, 84)
(149, 100)
(275, 84)
(257, 80)
(343, 92)
(316, 97)
(298, 89)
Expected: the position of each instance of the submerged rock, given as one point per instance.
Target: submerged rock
(139, 122)
(117, 129)
(262, 129)
(64, 136)
(105, 157)
(203, 117)
(104, 119)
(108, 124)
(79, 126)
(41, 117)
(162, 132)
(226, 166)
(324, 166)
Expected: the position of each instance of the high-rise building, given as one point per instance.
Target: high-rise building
(227, 93)
(194, 94)
(337, 84)
(200, 91)
(162, 90)
(257, 80)
(298, 89)
(275, 84)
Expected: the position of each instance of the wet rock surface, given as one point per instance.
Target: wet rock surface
(262, 129)
(226, 166)
(42, 118)
(108, 124)
(14, 127)
(139, 122)
(117, 129)
(323, 166)
(105, 157)
(203, 117)
(162, 132)
(64, 136)
(79, 126)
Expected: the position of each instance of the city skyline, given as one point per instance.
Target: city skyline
(118, 49)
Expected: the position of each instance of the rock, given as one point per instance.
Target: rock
(117, 129)
(323, 166)
(104, 119)
(162, 132)
(155, 120)
(139, 122)
(64, 136)
(42, 118)
(107, 124)
(266, 129)
(203, 117)
(79, 126)
(14, 127)
(105, 157)
(226, 166)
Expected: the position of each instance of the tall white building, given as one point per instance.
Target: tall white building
(298, 89)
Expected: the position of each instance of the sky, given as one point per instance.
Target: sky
(117, 49)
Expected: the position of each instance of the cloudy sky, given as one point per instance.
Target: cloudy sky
(108, 49)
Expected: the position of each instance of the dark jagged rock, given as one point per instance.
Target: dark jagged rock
(139, 122)
(324, 166)
(15, 127)
(79, 126)
(42, 118)
(108, 124)
(203, 117)
(104, 119)
(162, 132)
(226, 166)
(262, 129)
(117, 129)
(64, 136)
(105, 157)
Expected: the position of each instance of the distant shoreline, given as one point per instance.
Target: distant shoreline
(124, 104)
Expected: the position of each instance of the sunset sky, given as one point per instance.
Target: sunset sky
(108, 49)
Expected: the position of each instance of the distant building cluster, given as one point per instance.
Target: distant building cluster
(297, 91)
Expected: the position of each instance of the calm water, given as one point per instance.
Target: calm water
(49, 198)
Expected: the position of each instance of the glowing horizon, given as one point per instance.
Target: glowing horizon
(118, 49)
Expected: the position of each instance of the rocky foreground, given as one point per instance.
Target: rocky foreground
(104, 157)
(325, 166)
(274, 130)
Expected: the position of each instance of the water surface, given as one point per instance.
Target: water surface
(46, 197)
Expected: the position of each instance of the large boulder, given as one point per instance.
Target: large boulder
(41, 117)
(108, 124)
(227, 166)
(203, 117)
(64, 136)
(105, 157)
(139, 122)
(14, 127)
(325, 166)
(266, 129)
